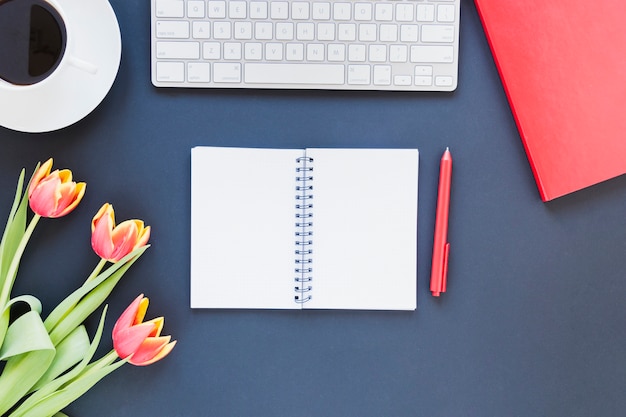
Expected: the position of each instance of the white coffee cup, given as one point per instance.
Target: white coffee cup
(73, 54)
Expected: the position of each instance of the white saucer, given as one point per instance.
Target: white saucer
(82, 79)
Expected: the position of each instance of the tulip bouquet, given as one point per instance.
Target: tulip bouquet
(48, 363)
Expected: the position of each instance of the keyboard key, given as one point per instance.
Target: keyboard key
(284, 31)
(445, 13)
(346, 32)
(356, 53)
(172, 29)
(279, 10)
(382, 75)
(274, 51)
(443, 81)
(237, 10)
(358, 74)
(424, 70)
(216, 9)
(321, 11)
(243, 30)
(294, 52)
(227, 72)
(438, 33)
(378, 53)
(253, 51)
(362, 11)
(326, 32)
(383, 12)
(388, 33)
(422, 53)
(336, 52)
(315, 52)
(425, 13)
(367, 32)
(195, 8)
(170, 8)
(402, 80)
(342, 11)
(300, 10)
(170, 71)
(212, 50)
(423, 80)
(263, 31)
(258, 10)
(198, 72)
(232, 50)
(404, 12)
(221, 30)
(178, 50)
(201, 30)
(294, 74)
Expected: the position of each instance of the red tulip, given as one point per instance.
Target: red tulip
(112, 242)
(54, 194)
(140, 341)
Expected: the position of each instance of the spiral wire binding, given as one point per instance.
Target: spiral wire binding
(304, 232)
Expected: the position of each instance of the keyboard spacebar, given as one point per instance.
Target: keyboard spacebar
(294, 73)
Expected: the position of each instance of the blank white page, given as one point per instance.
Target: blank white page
(364, 229)
(242, 227)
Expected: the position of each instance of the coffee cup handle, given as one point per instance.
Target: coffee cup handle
(82, 65)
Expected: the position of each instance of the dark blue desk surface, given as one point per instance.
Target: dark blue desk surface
(533, 323)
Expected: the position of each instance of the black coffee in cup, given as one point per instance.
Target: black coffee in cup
(32, 40)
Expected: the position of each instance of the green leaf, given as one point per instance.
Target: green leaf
(68, 353)
(8, 244)
(13, 233)
(67, 315)
(60, 399)
(57, 383)
(28, 352)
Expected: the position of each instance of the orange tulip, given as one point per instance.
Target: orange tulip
(137, 340)
(54, 194)
(112, 242)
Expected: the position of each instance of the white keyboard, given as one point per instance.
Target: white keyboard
(405, 45)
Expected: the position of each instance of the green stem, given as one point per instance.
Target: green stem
(96, 271)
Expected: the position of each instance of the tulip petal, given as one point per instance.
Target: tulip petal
(144, 236)
(151, 350)
(160, 355)
(101, 241)
(105, 209)
(123, 238)
(43, 199)
(79, 192)
(43, 171)
(127, 341)
(127, 318)
(158, 326)
(141, 310)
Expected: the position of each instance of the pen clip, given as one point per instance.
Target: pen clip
(444, 269)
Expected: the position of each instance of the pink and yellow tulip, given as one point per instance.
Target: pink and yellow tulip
(54, 194)
(113, 242)
(141, 342)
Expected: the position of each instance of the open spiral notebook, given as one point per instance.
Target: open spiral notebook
(304, 228)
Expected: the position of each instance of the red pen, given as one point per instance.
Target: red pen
(441, 247)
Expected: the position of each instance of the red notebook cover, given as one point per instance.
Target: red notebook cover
(563, 67)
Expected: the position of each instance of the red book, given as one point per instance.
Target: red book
(563, 67)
